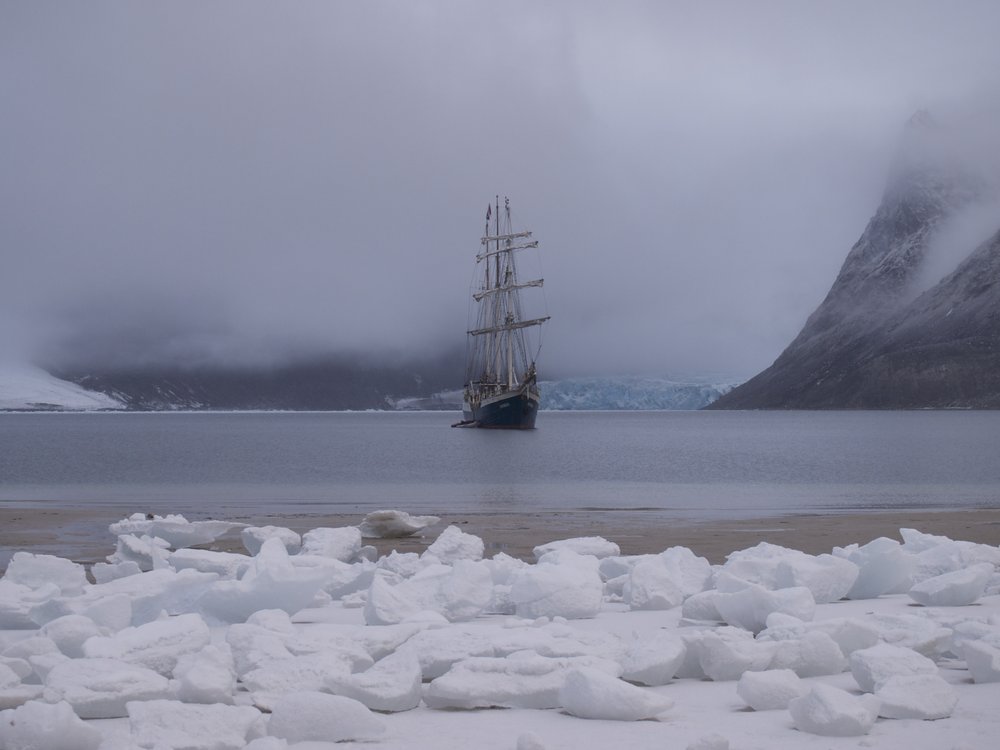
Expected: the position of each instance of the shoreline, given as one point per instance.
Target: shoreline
(80, 533)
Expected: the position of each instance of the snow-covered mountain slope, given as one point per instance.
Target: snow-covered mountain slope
(28, 388)
(889, 334)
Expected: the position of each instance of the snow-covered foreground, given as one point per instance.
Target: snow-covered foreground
(314, 639)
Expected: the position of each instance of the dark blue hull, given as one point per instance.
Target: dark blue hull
(514, 412)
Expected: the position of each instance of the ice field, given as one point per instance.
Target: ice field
(311, 640)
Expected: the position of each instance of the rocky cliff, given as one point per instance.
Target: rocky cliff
(887, 335)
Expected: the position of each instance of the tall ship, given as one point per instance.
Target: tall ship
(501, 388)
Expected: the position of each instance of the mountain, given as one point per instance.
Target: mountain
(28, 388)
(324, 384)
(888, 335)
(626, 393)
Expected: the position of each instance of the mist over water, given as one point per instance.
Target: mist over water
(246, 183)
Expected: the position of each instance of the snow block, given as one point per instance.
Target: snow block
(884, 568)
(983, 661)
(226, 565)
(253, 538)
(916, 696)
(654, 659)
(828, 578)
(46, 726)
(69, 633)
(812, 655)
(726, 656)
(597, 546)
(391, 684)
(592, 694)
(271, 582)
(342, 544)
(770, 690)
(873, 666)
(458, 592)
(750, 607)
(832, 712)
(17, 603)
(524, 680)
(454, 544)
(394, 524)
(174, 529)
(156, 645)
(166, 723)
(438, 649)
(310, 716)
(37, 571)
(100, 688)
(207, 676)
(149, 553)
(569, 586)
(956, 589)
(650, 585)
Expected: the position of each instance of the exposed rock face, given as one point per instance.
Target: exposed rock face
(878, 341)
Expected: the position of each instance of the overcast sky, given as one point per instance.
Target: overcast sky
(244, 181)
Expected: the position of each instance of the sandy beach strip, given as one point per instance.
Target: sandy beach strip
(81, 533)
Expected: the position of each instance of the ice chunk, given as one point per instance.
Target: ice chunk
(37, 571)
(176, 530)
(921, 634)
(394, 524)
(568, 586)
(770, 690)
(46, 726)
(916, 696)
(271, 582)
(873, 666)
(438, 649)
(254, 536)
(597, 546)
(8, 677)
(454, 544)
(31, 646)
(654, 659)
(592, 694)
(459, 592)
(693, 574)
(17, 602)
(701, 607)
(884, 568)
(207, 676)
(828, 578)
(42, 664)
(100, 688)
(18, 666)
(750, 607)
(267, 743)
(341, 543)
(224, 564)
(983, 661)
(172, 724)
(812, 655)
(651, 585)
(149, 553)
(105, 572)
(69, 633)
(832, 712)
(305, 716)
(306, 672)
(955, 589)
(392, 684)
(726, 656)
(523, 680)
(156, 645)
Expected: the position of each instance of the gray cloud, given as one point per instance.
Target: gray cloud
(237, 181)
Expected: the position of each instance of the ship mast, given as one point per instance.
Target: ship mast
(499, 359)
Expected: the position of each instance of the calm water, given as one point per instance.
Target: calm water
(689, 464)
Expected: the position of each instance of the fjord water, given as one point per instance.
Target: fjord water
(692, 465)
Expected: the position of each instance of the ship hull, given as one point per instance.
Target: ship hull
(513, 411)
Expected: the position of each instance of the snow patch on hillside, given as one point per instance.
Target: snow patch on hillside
(29, 388)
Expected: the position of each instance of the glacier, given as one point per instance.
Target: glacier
(28, 388)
